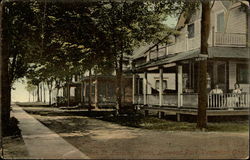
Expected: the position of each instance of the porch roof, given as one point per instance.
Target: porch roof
(213, 52)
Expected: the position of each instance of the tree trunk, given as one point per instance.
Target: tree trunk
(49, 84)
(5, 85)
(90, 89)
(119, 73)
(33, 96)
(1, 61)
(37, 92)
(50, 96)
(41, 92)
(57, 88)
(44, 97)
(248, 24)
(202, 90)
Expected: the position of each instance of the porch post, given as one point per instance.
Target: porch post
(179, 91)
(145, 88)
(161, 87)
(96, 92)
(180, 97)
(133, 89)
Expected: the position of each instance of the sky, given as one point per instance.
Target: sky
(20, 94)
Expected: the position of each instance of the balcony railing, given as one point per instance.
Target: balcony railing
(215, 101)
(215, 39)
(230, 39)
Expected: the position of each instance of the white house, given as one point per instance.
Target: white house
(167, 75)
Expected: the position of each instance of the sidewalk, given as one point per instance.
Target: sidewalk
(41, 142)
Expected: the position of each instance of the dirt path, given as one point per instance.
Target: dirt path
(100, 139)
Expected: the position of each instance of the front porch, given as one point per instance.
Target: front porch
(171, 84)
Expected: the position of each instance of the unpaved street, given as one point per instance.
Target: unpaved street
(100, 139)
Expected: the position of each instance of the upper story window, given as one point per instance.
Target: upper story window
(220, 22)
(191, 30)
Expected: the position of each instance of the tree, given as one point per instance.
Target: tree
(202, 98)
(128, 24)
(15, 31)
(1, 61)
(30, 88)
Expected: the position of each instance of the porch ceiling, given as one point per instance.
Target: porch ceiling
(213, 52)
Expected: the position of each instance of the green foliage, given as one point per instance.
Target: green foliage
(53, 41)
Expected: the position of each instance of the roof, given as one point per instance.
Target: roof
(139, 52)
(213, 52)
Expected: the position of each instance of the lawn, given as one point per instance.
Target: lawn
(149, 122)
(154, 123)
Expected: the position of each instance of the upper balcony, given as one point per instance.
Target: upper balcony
(216, 39)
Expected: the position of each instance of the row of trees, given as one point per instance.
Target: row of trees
(49, 41)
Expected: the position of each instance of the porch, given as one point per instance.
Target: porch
(98, 92)
(226, 101)
(154, 89)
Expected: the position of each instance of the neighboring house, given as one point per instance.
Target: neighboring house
(101, 94)
(167, 75)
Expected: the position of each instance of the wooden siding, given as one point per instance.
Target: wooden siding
(236, 21)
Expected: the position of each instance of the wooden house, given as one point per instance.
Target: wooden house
(167, 75)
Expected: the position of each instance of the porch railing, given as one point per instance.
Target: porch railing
(228, 100)
(215, 101)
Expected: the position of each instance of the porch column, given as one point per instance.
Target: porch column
(161, 87)
(133, 89)
(179, 78)
(145, 88)
(96, 92)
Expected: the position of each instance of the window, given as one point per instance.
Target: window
(242, 73)
(157, 84)
(220, 22)
(191, 30)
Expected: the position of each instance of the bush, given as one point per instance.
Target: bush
(12, 128)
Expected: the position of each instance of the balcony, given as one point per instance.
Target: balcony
(216, 39)
(230, 39)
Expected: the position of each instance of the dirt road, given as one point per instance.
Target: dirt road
(100, 139)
